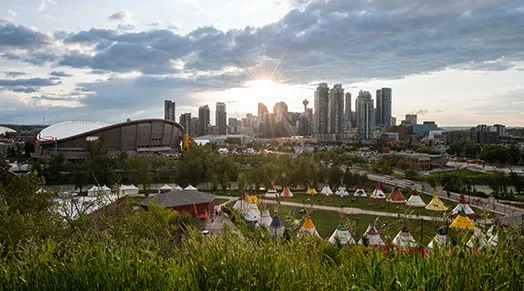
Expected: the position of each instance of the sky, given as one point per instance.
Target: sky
(458, 63)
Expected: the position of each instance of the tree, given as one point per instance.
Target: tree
(242, 182)
(139, 170)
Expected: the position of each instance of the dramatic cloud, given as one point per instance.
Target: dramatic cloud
(13, 74)
(33, 82)
(60, 74)
(18, 36)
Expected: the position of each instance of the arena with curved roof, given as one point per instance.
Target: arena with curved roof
(72, 138)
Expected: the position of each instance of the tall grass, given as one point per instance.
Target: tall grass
(233, 263)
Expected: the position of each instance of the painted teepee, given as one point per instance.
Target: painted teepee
(341, 236)
(396, 197)
(415, 200)
(378, 194)
(276, 229)
(463, 205)
(478, 240)
(493, 238)
(439, 240)
(311, 191)
(271, 193)
(462, 221)
(265, 219)
(308, 228)
(404, 239)
(342, 191)
(326, 191)
(286, 193)
(372, 236)
(252, 215)
(360, 192)
(436, 204)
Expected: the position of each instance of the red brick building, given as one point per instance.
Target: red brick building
(197, 204)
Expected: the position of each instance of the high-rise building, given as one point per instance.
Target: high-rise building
(347, 113)
(185, 121)
(321, 119)
(393, 121)
(169, 110)
(366, 115)
(203, 120)
(194, 127)
(383, 110)
(336, 109)
(411, 118)
(221, 118)
(280, 110)
(304, 121)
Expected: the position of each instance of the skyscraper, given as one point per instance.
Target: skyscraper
(347, 113)
(203, 120)
(383, 111)
(366, 115)
(280, 110)
(221, 118)
(336, 109)
(194, 127)
(320, 116)
(411, 118)
(169, 110)
(185, 121)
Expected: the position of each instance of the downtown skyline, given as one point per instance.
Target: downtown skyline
(60, 62)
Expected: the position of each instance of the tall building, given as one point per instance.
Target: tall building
(169, 110)
(280, 110)
(411, 118)
(221, 118)
(393, 121)
(347, 113)
(304, 121)
(262, 112)
(366, 115)
(383, 110)
(336, 109)
(194, 127)
(203, 120)
(234, 125)
(185, 121)
(320, 119)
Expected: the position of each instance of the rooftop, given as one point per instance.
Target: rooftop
(179, 198)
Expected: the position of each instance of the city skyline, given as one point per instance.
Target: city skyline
(62, 61)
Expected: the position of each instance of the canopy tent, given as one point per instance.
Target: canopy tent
(265, 219)
(191, 188)
(360, 192)
(463, 205)
(128, 190)
(286, 193)
(493, 238)
(95, 191)
(311, 191)
(164, 189)
(439, 240)
(178, 188)
(415, 200)
(436, 204)
(404, 239)
(342, 191)
(462, 221)
(396, 197)
(378, 194)
(326, 191)
(478, 240)
(276, 229)
(341, 236)
(252, 214)
(308, 228)
(372, 236)
(271, 193)
(41, 190)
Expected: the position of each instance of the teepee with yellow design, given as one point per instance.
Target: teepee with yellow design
(436, 204)
(462, 221)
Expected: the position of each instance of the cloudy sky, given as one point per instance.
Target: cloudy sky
(455, 62)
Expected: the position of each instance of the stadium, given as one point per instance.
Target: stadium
(72, 139)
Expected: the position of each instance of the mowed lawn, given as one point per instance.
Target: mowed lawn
(327, 221)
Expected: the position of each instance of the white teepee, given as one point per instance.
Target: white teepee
(341, 191)
(286, 193)
(493, 238)
(404, 239)
(252, 214)
(326, 191)
(308, 228)
(360, 192)
(463, 205)
(265, 218)
(271, 193)
(415, 200)
(378, 194)
(341, 236)
(478, 240)
(241, 205)
(372, 236)
(439, 240)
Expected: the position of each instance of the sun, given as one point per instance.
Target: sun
(266, 91)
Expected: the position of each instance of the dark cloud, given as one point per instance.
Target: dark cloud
(33, 82)
(24, 89)
(60, 74)
(13, 74)
(34, 58)
(19, 36)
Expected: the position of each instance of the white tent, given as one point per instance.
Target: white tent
(372, 236)
(271, 193)
(378, 193)
(326, 191)
(341, 191)
(493, 238)
(360, 192)
(265, 218)
(128, 190)
(415, 200)
(41, 190)
(404, 239)
(252, 214)
(95, 191)
(478, 240)
(190, 188)
(308, 228)
(165, 188)
(276, 229)
(286, 193)
(178, 188)
(463, 205)
(241, 205)
(439, 240)
(341, 236)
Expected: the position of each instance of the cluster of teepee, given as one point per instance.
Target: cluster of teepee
(272, 193)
